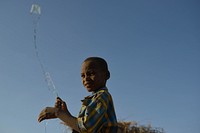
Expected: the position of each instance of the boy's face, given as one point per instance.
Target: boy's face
(93, 78)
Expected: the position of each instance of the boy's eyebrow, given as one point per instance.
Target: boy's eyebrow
(88, 71)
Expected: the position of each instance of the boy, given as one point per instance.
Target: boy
(97, 114)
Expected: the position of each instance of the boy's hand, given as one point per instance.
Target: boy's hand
(48, 113)
(52, 112)
(61, 105)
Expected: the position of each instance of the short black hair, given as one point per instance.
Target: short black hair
(102, 64)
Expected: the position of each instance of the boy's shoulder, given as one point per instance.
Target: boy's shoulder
(102, 95)
(102, 92)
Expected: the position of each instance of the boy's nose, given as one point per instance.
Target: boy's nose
(87, 77)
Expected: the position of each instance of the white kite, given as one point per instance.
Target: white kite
(35, 9)
(36, 12)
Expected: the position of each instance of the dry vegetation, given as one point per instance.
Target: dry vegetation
(133, 127)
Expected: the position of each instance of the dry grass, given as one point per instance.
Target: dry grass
(133, 127)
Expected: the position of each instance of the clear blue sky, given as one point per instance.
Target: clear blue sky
(152, 47)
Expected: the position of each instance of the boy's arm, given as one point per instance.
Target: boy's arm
(64, 114)
(68, 119)
(59, 111)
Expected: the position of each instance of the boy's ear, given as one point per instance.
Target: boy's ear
(107, 75)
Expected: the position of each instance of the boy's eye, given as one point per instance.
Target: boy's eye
(91, 73)
(82, 75)
(88, 74)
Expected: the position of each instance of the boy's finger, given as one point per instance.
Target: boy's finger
(59, 102)
(41, 116)
(59, 99)
(40, 119)
(64, 104)
(47, 113)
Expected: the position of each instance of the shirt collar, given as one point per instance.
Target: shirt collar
(94, 93)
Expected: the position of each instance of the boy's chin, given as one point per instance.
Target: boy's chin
(90, 89)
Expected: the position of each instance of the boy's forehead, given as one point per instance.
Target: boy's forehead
(90, 65)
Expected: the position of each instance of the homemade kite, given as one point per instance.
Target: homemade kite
(36, 13)
(35, 9)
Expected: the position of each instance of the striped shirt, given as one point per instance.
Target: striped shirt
(97, 114)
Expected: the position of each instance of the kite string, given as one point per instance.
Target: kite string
(45, 127)
(47, 76)
(35, 11)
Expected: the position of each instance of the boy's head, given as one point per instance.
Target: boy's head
(94, 73)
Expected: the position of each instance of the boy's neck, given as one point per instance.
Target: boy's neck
(102, 88)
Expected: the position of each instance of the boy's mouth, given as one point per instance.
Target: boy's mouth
(88, 84)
